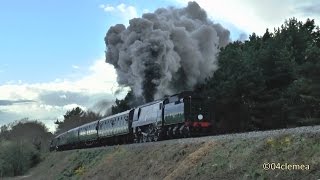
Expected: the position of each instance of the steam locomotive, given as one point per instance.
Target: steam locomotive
(181, 115)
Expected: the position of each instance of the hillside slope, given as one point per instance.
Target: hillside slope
(235, 156)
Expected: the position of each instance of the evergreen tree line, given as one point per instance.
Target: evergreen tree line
(269, 81)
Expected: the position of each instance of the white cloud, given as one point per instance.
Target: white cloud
(102, 78)
(107, 7)
(125, 12)
(75, 67)
(63, 96)
(71, 106)
(145, 11)
(52, 99)
(255, 16)
(45, 113)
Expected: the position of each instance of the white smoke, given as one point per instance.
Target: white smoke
(165, 52)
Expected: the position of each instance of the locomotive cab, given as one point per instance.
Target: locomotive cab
(197, 115)
(187, 114)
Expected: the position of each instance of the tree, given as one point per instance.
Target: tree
(272, 78)
(21, 145)
(76, 117)
(31, 131)
(4, 132)
(16, 157)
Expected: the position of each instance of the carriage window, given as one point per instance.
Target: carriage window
(139, 112)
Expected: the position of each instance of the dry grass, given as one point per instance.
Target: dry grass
(218, 159)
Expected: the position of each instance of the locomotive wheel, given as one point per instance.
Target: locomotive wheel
(140, 139)
(146, 138)
(156, 136)
(147, 134)
(186, 132)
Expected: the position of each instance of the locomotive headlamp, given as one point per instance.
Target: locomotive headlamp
(200, 117)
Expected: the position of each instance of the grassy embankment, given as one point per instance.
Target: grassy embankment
(220, 159)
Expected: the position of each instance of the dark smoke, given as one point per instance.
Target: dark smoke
(165, 52)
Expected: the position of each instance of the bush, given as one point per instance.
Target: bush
(17, 157)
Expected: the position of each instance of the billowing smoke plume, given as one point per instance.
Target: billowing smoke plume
(165, 52)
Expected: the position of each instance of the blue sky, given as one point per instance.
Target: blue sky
(52, 51)
(37, 34)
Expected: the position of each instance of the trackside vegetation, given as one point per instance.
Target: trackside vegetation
(22, 145)
(202, 158)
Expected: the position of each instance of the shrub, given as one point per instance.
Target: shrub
(17, 157)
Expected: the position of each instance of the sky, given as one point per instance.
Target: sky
(52, 52)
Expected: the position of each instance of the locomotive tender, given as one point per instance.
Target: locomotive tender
(181, 115)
